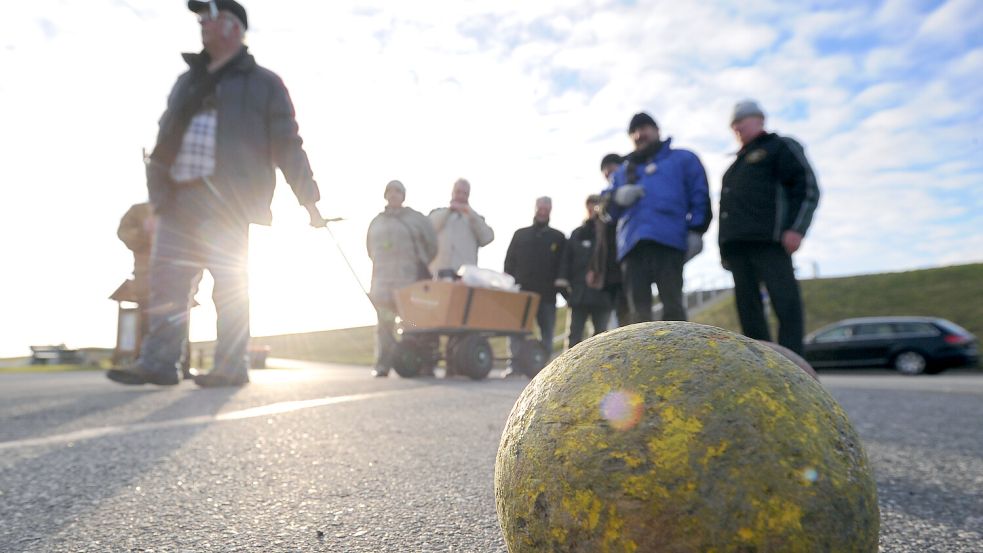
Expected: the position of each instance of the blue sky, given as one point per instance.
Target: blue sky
(521, 98)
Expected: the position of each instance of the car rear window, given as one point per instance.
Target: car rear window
(952, 327)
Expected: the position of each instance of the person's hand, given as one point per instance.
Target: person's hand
(317, 221)
(791, 241)
(694, 245)
(461, 208)
(594, 280)
(628, 194)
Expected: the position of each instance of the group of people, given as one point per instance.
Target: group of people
(406, 246)
(657, 206)
(229, 124)
(639, 231)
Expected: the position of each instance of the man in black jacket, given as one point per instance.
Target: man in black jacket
(767, 201)
(604, 271)
(533, 259)
(229, 124)
(584, 300)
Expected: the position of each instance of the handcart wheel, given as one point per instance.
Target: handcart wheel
(411, 357)
(530, 358)
(472, 356)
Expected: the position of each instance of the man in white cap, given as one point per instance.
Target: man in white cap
(228, 125)
(767, 201)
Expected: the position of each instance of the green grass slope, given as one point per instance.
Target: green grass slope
(954, 293)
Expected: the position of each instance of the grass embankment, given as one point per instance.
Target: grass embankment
(949, 292)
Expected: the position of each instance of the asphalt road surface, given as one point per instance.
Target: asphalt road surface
(316, 458)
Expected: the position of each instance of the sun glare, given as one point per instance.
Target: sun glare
(298, 282)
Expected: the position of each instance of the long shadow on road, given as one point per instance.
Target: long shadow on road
(48, 488)
(33, 418)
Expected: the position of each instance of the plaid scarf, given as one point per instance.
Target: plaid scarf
(201, 86)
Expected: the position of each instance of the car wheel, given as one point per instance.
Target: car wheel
(910, 362)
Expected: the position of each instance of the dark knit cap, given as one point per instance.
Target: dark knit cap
(610, 158)
(640, 120)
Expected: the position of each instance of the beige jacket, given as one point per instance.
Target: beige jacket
(458, 238)
(400, 243)
(136, 230)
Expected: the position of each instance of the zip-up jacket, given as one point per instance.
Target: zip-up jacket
(575, 263)
(770, 188)
(533, 258)
(458, 238)
(256, 134)
(400, 242)
(676, 201)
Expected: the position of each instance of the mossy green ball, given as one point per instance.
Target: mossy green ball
(679, 437)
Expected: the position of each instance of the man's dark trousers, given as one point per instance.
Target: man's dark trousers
(546, 320)
(599, 315)
(650, 262)
(753, 263)
(195, 234)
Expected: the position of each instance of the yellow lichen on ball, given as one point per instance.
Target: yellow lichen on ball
(678, 437)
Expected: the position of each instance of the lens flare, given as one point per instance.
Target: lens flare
(622, 409)
(810, 475)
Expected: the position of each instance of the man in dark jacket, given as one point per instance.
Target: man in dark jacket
(229, 124)
(533, 259)
(584, 300)
(661, 200)
(604, 271)
(767, 201)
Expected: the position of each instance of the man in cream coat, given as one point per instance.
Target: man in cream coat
(460, 232)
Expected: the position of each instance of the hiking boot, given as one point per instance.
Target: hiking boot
(222, 379)
(136, 375)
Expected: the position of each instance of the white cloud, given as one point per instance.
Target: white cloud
(953, 22)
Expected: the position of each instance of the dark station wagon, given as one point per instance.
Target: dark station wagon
(911, 345)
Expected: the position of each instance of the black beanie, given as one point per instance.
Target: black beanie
(640, 120)
(610, 158)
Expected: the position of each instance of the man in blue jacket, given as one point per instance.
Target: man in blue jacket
(661, 200)
(229, 124)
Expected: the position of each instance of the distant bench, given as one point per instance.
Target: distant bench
(56, 355)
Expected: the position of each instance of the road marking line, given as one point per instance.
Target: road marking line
(253, 412)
